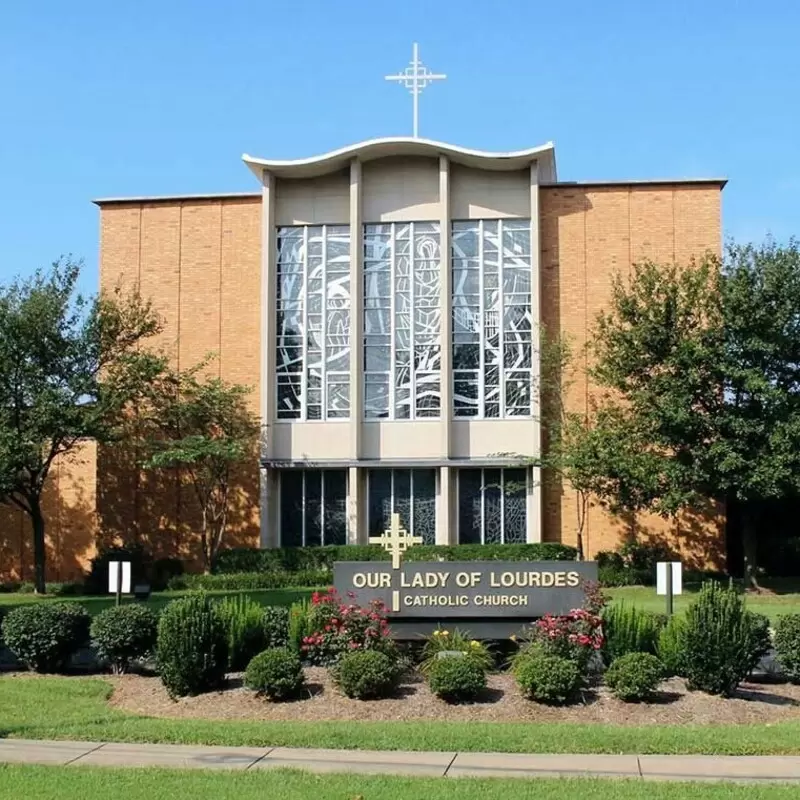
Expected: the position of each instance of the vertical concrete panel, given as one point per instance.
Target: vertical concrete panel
(240, 345)
(120, 253)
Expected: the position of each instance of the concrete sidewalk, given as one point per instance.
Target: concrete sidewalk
(388, 762)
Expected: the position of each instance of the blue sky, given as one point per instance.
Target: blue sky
(106, 99)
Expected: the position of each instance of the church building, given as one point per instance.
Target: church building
(385, 301)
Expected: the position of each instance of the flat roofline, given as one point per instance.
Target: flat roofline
(643, 182)
(171, 198)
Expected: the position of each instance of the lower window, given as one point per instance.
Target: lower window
(411, 493)
(313, 507)
(492, 506)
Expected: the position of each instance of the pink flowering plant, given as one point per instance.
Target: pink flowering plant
(337, 627)
(576, 635)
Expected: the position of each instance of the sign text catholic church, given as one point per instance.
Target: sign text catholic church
(466, 590)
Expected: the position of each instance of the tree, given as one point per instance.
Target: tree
(704, 362)
(597, 451)
(69, 366)
(202, 428)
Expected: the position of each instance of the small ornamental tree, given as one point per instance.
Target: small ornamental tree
(70, 367)
(203, 429)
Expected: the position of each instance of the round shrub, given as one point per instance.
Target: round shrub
(276, 626)
(635, 676)
(191, 647)
(787, 645)
(45, 635)
(276, 674)
(122, 634)
(456, 678)
(366, 674)
(547, 678)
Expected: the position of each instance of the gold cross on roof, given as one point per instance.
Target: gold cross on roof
(396, 540)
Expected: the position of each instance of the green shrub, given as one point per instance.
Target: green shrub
(547, 678)
(45, 635)
(787, 645)
(122, 634)
(456, 678)
(720, 641)
(366, 674)
(455, 641)
(669, 647)
(97, 580)
(253, 580)
(243, 619)
(295, 559)
(276, 674)
(191, 646)
(629, 629)
(299, 624)
(633, 677)
(276, 626)
(162, 571)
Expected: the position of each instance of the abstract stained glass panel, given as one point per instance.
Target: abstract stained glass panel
(313, 507)
(492, 322)
(313, 322)
(492, 506)
(411, 493)
(402, 316)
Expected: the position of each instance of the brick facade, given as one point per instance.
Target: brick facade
(200, 261)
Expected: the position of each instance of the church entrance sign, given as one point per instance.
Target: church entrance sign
(472, 594)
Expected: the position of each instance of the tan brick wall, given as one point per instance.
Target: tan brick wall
(587, 235)
(69, 503)
(200, 262)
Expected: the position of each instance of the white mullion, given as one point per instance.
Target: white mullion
(481, 335)
(323, 369)
(501, 323)
(412, 333)
(411, 502)
(304, 375)
(303, 506)
(321, 508)
(502, 506)
(392, 326)
(483, 506)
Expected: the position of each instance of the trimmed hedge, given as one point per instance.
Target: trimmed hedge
(297, 559)
(254, 580)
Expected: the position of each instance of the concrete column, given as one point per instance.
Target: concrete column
(356, 310)
(534, 499)
(445, 296)
(355, 506)
(269, 530)
(445, 518)
(269, 508)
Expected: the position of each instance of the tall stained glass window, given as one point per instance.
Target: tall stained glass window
(313, 507)
(313, 322)
(402, 351)
(411, 493)
(492, 506)
(492, 323)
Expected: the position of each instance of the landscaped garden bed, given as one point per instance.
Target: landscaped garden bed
(502, 702)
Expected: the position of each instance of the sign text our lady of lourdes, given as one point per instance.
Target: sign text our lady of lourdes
(463, 590)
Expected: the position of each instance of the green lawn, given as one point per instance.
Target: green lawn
(76, 708)
(94, 783)
(268, 597)
(786, 599)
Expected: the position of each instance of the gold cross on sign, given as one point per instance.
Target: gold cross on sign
(396, 540)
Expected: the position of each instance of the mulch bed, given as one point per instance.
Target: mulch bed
(761, 702)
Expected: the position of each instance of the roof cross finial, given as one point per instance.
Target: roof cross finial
(415, 78)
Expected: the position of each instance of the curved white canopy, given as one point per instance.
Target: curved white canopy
(407, 146)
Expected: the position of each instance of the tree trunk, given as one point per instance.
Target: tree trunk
(39, 551)
(750, 551)
(204, 542)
